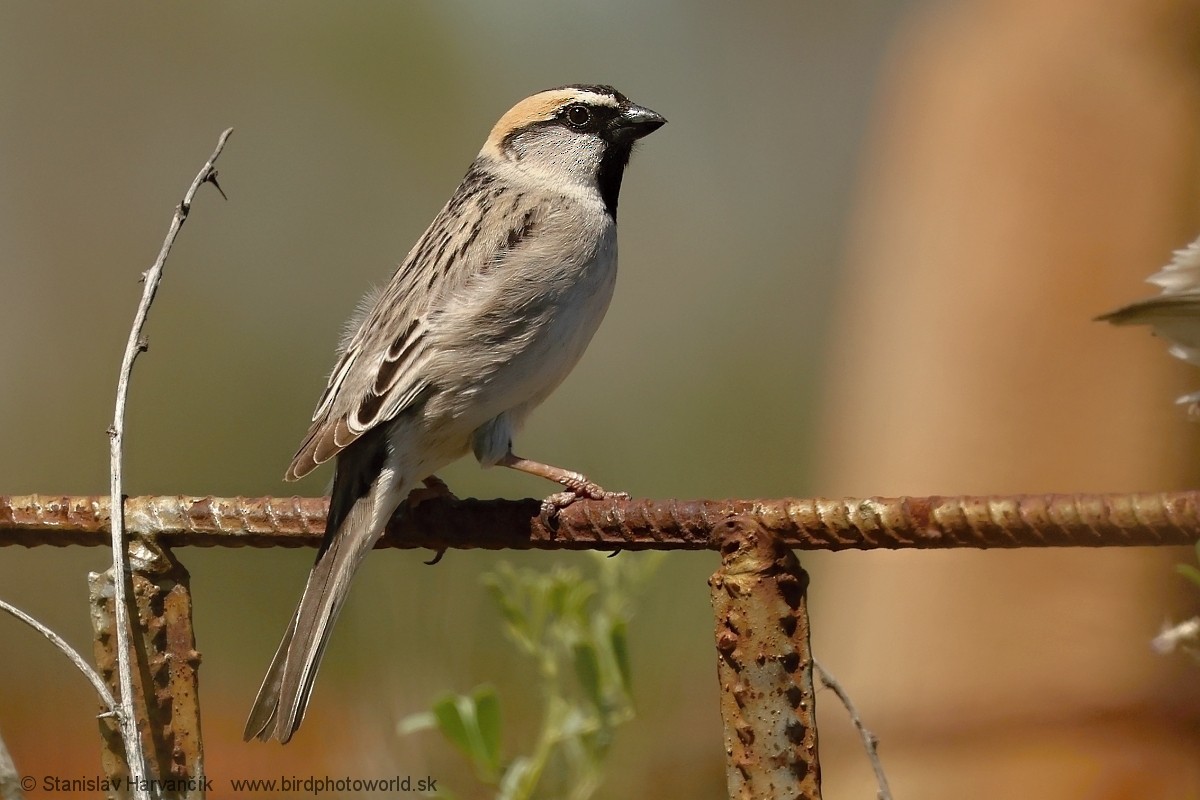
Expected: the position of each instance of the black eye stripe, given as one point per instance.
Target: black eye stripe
(601, 115)
(584, 117)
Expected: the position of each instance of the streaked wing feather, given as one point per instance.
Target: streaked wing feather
(380, 371)
(335, 382)
(1182, 274)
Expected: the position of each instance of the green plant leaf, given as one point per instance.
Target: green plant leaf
(458, 718)
(1189, 572)
(487, 714)
(512, 783)
(579, 597)
(587, 672)
(566, 623)
(504, 596)
(556, 596)
(447, 711)
(619, 641)
(421, 721)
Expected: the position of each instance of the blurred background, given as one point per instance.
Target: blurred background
(861, 259)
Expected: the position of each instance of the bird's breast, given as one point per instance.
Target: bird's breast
(526, 323)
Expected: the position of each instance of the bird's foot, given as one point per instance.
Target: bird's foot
(434, 488)
(578, 488)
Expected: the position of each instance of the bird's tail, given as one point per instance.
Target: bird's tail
(283, 696)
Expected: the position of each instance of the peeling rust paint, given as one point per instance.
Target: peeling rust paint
(166, 687)
(1171, 518)
(764, 666)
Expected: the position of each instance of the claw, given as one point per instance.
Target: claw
(557, 502)
(434, 488)
(583, 490)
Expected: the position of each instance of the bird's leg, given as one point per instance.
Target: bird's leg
(578, 486)
(434, 487)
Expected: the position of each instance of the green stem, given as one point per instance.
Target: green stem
(549, 736)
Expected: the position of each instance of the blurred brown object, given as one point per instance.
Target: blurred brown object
(1031, 164)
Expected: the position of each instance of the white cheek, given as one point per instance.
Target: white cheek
(557, 157)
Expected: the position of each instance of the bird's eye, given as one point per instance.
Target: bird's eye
(578, 115)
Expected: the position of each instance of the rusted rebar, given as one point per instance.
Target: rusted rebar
(166, 702)
(764, 665)
(1086, 520)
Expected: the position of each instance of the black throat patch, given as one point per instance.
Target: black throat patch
(612, 169)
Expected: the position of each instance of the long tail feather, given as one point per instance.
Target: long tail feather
(357, 522)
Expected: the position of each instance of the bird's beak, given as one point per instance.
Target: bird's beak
(633, 123)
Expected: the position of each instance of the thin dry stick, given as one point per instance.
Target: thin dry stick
(870, 741)
(116, 434)
(70, 652)
(10, 780)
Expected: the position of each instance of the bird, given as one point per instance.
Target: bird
(1174, 314)
(486, 315)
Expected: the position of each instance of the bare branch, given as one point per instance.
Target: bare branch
(869, 740)
(93, 677)
(136, 344)
(10, 780)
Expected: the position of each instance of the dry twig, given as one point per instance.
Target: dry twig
(870, 741)
(10, 780)
(116, 434)
(93, 677)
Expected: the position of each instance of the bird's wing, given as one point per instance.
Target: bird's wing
(1180, 284)
(1182, 275)
(1155, 309)
(382, 369)
(1175, 313)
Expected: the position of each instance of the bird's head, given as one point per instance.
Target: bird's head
(580, 135)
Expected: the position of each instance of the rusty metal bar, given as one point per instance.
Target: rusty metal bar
(764, 665)
(1087, 520)
(163, 652)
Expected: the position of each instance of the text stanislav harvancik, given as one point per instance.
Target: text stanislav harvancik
(122, 786)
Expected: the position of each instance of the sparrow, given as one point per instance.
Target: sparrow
(1174, 314)
(483, 319)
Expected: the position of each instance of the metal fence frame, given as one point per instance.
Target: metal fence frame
(764, 665)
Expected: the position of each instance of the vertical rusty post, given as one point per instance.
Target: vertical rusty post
(764, 666)
(165, 663)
